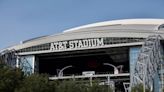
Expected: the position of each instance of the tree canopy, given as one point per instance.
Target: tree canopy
(14, 80)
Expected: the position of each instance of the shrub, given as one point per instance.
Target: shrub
(36, 83)
(9, 78)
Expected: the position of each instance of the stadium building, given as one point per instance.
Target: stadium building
(122, 53)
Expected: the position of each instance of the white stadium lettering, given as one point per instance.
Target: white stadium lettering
(86, 43)
(60, 46)
(65, 44)
(80, 44)
(71, 45)
(100, 42)
(76, 44)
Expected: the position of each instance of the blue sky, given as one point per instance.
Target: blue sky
(25, 19)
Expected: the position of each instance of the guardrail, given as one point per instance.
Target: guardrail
(90, 76)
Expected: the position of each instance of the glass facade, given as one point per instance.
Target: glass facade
(133, 55)
(26, 63)
(156, 83)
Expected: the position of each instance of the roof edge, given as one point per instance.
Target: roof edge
(120, 22)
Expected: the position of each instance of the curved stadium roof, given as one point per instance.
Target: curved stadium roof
(127, 28)
(121, 22)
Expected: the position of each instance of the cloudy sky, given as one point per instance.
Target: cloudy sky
(24, 19)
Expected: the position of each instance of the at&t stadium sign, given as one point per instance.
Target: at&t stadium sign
(77, 44)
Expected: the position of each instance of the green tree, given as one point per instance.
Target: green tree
(80, 86)
(36, 83)
(70, 86)
(100, 88)
(9, 78)
(13, 80)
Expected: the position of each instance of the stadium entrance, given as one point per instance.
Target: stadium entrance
(99, 61)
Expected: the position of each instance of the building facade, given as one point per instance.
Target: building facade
(116, 50)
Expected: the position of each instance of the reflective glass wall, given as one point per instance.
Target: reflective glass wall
(26, 63)
(133, 55)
